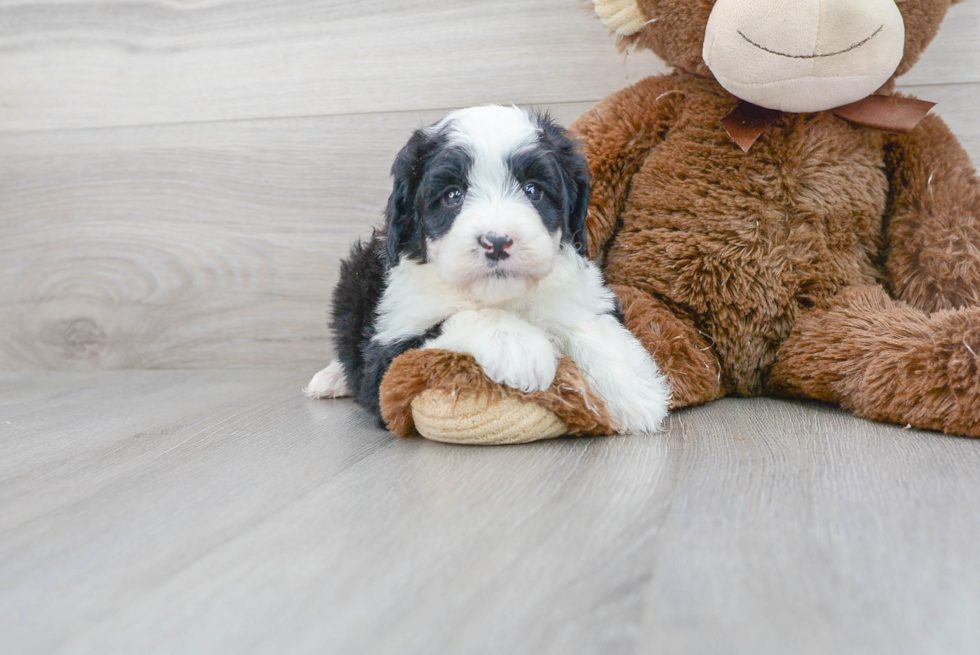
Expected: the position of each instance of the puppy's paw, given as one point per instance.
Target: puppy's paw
(623, 374)
(511, 351)
(526, 362)
(643, 406)
(328, 383)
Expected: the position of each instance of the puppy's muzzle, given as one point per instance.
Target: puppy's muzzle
(495, 246)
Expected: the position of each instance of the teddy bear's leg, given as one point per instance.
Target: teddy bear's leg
(885, 360)
(682, 354)
(932, 236)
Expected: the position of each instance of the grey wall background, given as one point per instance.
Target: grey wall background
(178, 181)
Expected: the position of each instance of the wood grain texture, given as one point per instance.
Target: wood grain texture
(202, 246)
(218, 512)
(94, 63)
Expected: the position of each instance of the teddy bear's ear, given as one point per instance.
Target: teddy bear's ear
(624, 17)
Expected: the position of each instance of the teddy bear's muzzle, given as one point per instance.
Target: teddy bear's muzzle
(805, 56)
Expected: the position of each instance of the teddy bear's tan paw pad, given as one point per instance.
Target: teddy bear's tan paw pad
(478, 419)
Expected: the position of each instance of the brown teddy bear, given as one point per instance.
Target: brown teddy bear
(774, 220)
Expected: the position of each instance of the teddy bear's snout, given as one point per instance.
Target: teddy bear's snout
(804, 56)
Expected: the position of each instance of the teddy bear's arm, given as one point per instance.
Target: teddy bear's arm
(932, 233)
(616, 136)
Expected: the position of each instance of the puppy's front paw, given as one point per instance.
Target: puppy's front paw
(623, 374)
(528, 364)
(512, 352)
(644, 407)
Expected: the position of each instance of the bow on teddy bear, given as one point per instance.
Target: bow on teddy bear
(834, 259)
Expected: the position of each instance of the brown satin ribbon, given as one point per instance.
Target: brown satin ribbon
(746, 123)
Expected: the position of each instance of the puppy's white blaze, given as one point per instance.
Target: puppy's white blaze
(328, 383)
(491, 134)
(494, 203)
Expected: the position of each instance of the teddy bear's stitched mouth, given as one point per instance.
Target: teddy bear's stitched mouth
(854, 46)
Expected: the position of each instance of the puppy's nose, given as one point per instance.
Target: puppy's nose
(495, 246)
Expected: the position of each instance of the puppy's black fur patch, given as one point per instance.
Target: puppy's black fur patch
(355, 306)
(403, 231)
(563, 172)
(446, 169)
(355, 310)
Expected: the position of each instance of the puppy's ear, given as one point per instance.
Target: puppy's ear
(402, 225)
(578, 185)
(576, 181)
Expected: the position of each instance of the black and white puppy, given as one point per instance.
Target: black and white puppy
(483, 253)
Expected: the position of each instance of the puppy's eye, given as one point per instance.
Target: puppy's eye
(532, 191)
(453, 198)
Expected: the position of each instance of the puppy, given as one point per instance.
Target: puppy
(483, 252)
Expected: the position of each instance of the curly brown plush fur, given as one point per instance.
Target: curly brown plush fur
(885, 360)
(766, 272)
(415, 371)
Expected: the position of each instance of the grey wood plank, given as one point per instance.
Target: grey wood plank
(751, 526)
(956, 106)
(161, 493)
(129, 409)
(200, 246)
(957, 46)
(97, 63)
(796, 528)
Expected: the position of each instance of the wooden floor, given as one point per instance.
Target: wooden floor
(222, 512)
(178, 183)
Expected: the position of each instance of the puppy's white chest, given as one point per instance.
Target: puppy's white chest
(416, 299)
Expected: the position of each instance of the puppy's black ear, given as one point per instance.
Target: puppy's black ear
(578, 185)
(576, 180)
(402, 225)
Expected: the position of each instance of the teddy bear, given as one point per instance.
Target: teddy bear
(774, 219)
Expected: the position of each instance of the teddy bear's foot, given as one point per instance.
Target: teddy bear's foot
(445, 396)
(887, 361)
(468, 418)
